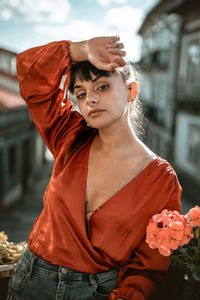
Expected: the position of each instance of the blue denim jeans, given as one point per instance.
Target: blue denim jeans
(35, 279)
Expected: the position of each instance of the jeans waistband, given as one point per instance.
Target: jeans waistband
(53, 270)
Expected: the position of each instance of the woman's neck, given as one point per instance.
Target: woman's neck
(116, 138)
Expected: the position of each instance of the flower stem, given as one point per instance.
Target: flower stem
(185, 252)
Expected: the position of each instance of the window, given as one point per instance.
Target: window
(193, 63)
(189, 77)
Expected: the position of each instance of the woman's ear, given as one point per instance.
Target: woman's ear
(134, 89)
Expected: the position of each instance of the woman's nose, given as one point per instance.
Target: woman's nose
(91, 98)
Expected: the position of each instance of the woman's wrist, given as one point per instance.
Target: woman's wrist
(102, 52)
(78, 51)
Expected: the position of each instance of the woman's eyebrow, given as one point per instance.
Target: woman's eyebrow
(93, 80)
(96, 78)
(77, 86)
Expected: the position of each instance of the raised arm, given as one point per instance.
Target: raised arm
(40, 71)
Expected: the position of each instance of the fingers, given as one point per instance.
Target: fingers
(115, 47)
(113, 42)
(117, 51)
(118, 62)
(110, 67)
(106, 53)
(118, 56)
(112, 39)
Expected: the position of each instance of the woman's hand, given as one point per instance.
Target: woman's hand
(105, 53)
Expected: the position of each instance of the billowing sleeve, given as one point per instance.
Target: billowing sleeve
(40, 71)
(138, 279)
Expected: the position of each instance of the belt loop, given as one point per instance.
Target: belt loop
(59, 286)
(59, 270)
(93, 282)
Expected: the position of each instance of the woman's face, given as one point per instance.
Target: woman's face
(103, 100)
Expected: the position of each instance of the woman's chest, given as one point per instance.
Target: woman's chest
(106, 176)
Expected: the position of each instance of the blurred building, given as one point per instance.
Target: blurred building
(21, 149)
(170, 65)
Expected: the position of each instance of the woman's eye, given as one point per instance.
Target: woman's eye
(81, 96)
(103, 87)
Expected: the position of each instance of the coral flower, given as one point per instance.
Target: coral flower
(152, 235)
(185, 240)
(194, 216)
(169, 230)
(165, 252)
(188, 229)
(174, 244)
(187, 235)
(176, 230)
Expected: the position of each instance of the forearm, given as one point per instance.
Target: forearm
(78, 51)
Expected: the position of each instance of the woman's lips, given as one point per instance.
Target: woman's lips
(96, 112)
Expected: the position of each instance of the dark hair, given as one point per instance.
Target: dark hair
(83, 71)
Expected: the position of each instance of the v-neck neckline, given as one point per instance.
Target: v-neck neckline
(121, 187)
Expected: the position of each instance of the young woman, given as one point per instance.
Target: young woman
(89, 240)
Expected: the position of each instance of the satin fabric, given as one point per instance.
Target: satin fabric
(116, 232)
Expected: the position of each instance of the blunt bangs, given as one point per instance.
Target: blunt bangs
(83, 71)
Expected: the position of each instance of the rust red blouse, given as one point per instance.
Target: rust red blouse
(116, 231)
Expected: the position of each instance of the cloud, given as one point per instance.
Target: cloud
(126, 21)
(123, 21)
(124, 18)
(34, 10)
(76, 30)
(108, 2)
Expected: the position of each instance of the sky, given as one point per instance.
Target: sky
(30, 23)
